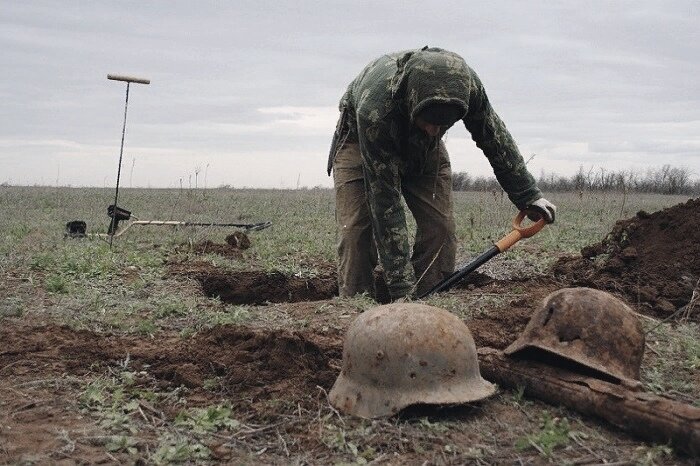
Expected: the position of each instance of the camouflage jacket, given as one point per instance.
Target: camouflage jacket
(378, 110)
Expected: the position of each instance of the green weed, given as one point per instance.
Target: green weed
(187, 332)
(554, 433)
(691, 346)
(211, 384)
(232, 314)
(114, 400)
(42, 261)
(674, 357)
(57, 284)
(146, 327)
(206, 420)
(179, 449)
(350, 441)
(651, 456)
(122, 443)
(11, 307)
(518, 397)
(17, 232)
(361, 302)
(172, 307)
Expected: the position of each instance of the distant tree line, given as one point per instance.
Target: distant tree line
(663, 180)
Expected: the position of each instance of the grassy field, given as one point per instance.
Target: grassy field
(117, 410)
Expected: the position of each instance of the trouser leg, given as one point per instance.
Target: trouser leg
(357, 255)
(429, 197)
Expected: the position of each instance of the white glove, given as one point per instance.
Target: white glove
(541, 208)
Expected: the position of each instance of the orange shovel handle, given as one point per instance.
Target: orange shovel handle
(519, 232)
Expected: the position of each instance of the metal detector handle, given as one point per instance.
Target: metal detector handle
(129, 79)
(519, 232)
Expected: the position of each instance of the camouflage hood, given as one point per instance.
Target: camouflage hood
(429, 76)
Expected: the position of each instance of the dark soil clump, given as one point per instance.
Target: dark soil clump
(238, 240)
(652, 260)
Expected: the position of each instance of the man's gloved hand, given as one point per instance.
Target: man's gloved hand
(541, 208)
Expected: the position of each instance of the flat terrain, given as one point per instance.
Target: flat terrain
(177, 346)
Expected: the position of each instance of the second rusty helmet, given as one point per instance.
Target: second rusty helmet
(590, 327)
(403, 354)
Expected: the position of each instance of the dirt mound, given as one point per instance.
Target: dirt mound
(246, 363)
(238, 240)
(210, 247)
(653, 260)
(255, 287)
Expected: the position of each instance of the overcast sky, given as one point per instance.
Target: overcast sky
(245, 92)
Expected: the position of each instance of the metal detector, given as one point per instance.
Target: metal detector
(128, 80)
(118, 214)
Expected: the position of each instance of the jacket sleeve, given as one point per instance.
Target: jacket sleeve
(383, 185)
(491, 136)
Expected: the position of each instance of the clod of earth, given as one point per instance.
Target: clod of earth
(238, 240)
(651, 259)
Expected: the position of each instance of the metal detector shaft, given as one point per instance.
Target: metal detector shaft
(519, 232)
(128, 81)
(246, 226)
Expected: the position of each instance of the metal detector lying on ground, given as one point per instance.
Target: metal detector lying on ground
(118, 214)
(77, 228)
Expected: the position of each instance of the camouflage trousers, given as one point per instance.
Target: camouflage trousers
(429, 198)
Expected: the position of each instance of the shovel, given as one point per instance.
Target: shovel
(519, 232)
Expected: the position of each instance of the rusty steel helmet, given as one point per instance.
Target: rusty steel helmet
(403, 354)
(590, 327)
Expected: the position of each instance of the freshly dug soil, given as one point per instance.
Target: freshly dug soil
(652, 260)
(248, 364)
